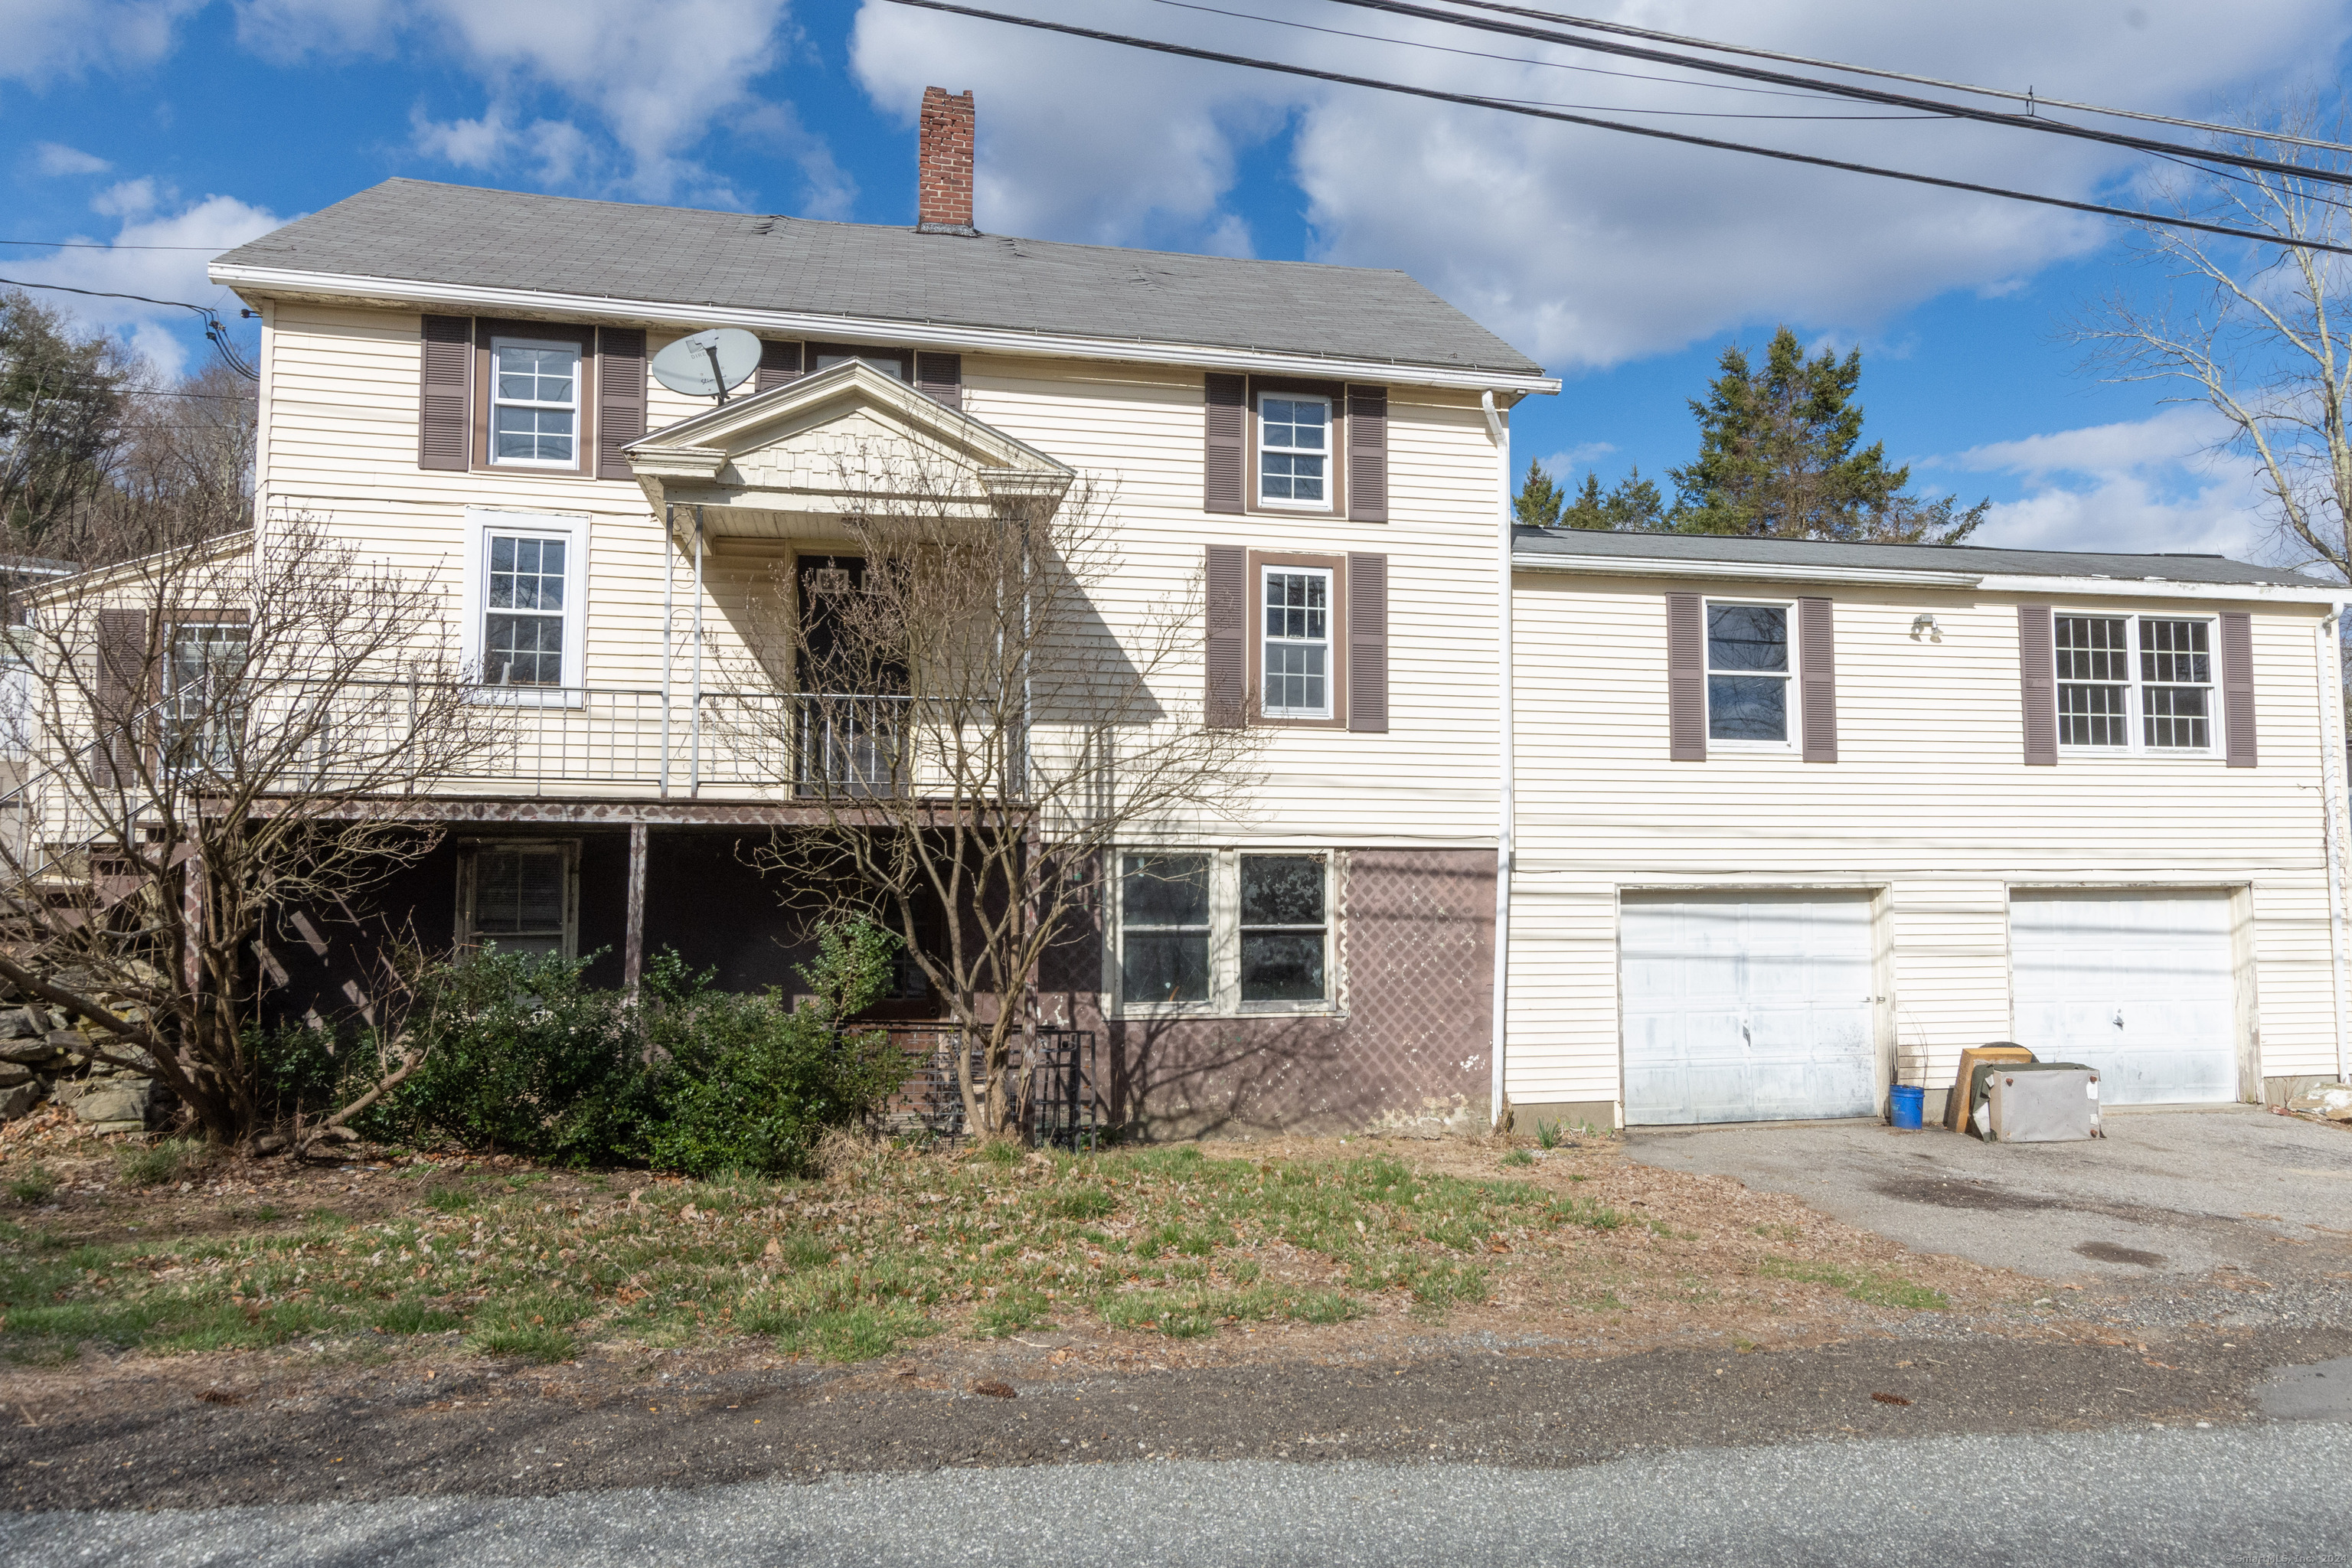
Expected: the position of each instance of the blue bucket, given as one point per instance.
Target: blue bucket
(1904, 1102)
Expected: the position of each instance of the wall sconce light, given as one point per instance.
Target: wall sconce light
(1925, 629)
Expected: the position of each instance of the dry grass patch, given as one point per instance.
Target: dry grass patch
(1183, 1243)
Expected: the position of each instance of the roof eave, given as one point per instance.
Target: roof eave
(252, 282)
(1655, 566)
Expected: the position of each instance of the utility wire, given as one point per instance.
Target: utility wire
(1861, 94)
(1557, 65)
(2028, 97)
(101, 245)
(2127, 214)
(214, 331)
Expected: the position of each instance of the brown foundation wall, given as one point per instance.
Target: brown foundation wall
(1407, 1054)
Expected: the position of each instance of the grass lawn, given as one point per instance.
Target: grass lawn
(1176, 1242)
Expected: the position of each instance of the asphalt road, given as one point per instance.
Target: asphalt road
(2272, 1494)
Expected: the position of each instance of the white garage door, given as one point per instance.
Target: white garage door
(2138, 985)
(1747, 1007)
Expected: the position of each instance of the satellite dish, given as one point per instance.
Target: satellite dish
(709, 364)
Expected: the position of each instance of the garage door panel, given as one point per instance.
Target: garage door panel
(2141, 986)
(1747, 1007)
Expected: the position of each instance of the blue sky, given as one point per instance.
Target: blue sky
(1625, 266)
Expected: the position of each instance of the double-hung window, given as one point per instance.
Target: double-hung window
(519, 897)
(1293, 450)
(1749, 686)
(1283, 931)
(1222, 932)
(523, 620)
(1163, 929)
(1296, 652)
(2134, 682)
(534, 403)
(526, 581)
(204, 695)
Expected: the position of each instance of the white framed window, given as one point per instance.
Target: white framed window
(1222, 932)
(889, 362)
(534, 403)
(1751, 690)
(2135, 683)
(519, 895)
(526, 582)
(203, 696)
(1293, 450)
(1295, 651)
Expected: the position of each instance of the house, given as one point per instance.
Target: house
(1797, 820)
(1784, 822)
(456, 378)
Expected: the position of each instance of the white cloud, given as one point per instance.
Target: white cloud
(2157, 484)
(657, 76)
(55, 159)
(42, 40)
(1585, 247)
(186, 239)
(127, 199)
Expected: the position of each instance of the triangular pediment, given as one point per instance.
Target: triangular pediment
(824, 442)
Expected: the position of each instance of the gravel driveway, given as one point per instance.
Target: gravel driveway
(2167, 1201)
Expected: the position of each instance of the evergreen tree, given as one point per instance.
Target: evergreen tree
(1538, 504)
(1776, 458)
(1634, 504)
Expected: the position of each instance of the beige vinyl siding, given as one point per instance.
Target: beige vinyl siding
(341, 429)
(1931, 801)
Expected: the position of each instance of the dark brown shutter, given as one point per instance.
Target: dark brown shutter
(1816, 680)
(122, 657)
(445, 414)
(779, 364)
(940, 377)
(620, 398)
(1368, 644)
(1685, 679)
(2037, 679)
(1225, 654)
(2238, 686)
(1221, 463)
(1368, 453)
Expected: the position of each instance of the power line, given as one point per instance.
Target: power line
(1504, 106)
(215, 331)
(1555, 65)
(1863, 94)
(2028, 97)
(101, 245)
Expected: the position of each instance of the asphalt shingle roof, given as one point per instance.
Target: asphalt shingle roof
(460, 235)
(1976, 560)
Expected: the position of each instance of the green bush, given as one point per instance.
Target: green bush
(747, 1083)
(523, 1059)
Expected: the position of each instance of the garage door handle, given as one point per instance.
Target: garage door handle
(2119, 1017)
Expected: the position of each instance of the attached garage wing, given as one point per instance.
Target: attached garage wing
(1747, 1007)
(2142, 986)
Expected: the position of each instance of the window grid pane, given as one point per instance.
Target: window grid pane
(1294, 435)
(2177, 662)
(2093, 716)
(536, 400)
(1296, 647)
(523, 630)
(2092, 648)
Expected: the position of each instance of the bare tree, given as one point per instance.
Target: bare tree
(208, 733)
(975, 736)
(2257, 331)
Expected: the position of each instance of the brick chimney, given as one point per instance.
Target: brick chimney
(943, 178)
